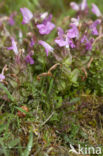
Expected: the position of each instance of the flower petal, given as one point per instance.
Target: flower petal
(11, 20)
(44, 15)
(93, 27)
(27, 15)
(45, 28)
(61, 42)
(73, 32)
(83, 5)
(47, 47)
(96, 10)
(75, 21)
(61, 39)
(2, 77)
(29, 59)
(74, 6)
(13, 47)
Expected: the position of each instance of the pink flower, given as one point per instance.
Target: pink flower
(71, 44)
(29, 59)
(27, 15)
(2, 77)
(74, 6)
(84, 39)
(81, 6)
(96, 10)
(87, 43)
(73, 32)
(61, 42)
(61, 39)
(93, 27)
(32, 43)
(13, 47)
(11, 20)
(46, 27)
(75, 21)
(47, 47)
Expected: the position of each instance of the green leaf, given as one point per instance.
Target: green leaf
(54, 117)
(67, 61)
(3, 149)
(7, 92)
(59, 102)
(74, 100)
(21, 110)
(74, 75)
(13, 143)
(3, 127)
(51, 85)
(29, 146)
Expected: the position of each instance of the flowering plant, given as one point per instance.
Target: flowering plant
(49, 66)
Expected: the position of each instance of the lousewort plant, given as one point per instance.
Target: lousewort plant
(50, 69)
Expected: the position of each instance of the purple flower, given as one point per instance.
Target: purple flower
(13, 47)
(11, 20)
(60, 32)
(93, 27)
(73, 32)
(27, 15)
(47, 47)
(61, 40)
(81, 6)
(72, 45)
(96, 10)
(2, 77)
(46, 27)
(84, 39)
(75, 21)
(89, 45)
(32, 43)
(29, 59)
(74, 6)
(47, 19)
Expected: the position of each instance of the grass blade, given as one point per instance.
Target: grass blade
(29, 146)
(7, 92)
